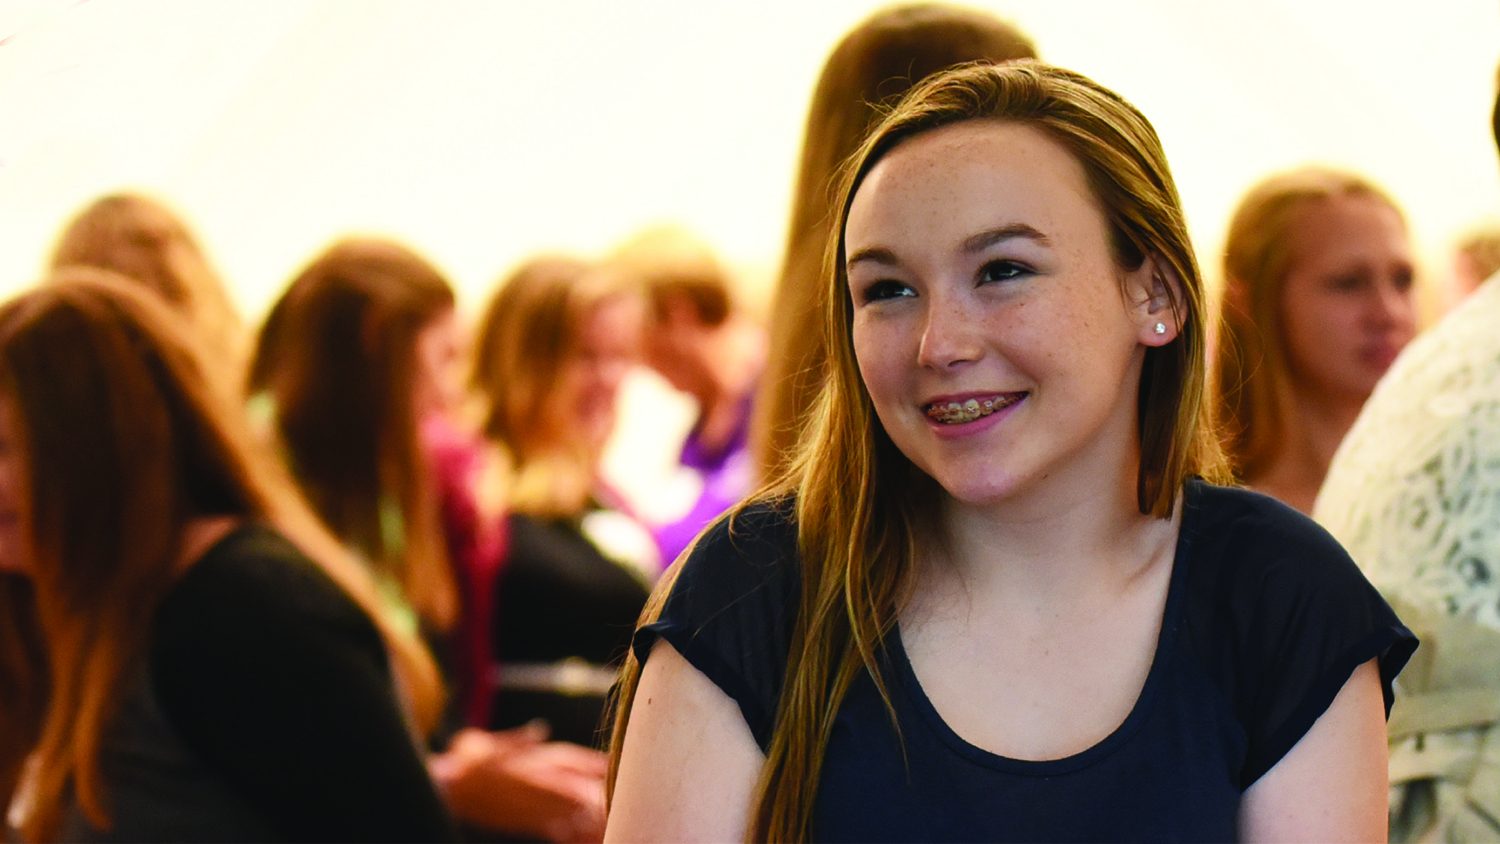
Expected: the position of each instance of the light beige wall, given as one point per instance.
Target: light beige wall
(481, 132)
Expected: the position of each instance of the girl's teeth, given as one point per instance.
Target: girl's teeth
(955, 413)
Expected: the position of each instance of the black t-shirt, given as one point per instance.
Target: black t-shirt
(559, 598)
(1266, 618)
(278, 686)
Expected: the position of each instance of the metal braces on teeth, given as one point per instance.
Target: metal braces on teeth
(967, 411)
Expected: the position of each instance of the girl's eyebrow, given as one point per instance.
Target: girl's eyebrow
(990, 237)
(874, 254)
(973, 243)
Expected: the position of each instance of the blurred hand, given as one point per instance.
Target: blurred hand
(517, 782)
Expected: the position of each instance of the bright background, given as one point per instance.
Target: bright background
(481, 132)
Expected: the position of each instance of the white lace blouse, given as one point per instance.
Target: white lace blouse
(1414, 490)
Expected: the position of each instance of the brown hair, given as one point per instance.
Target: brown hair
(339, 360)
(140, 238)
(860, 503)
(872, 66)
(1251, 375)
(529, 331)
(122, 442)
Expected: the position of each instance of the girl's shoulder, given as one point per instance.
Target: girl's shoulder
(1278, 615)
(1237, 535)
(257, 578)
(731, 605)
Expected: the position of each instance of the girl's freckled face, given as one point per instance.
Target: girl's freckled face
(980, 267)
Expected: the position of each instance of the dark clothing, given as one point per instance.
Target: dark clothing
(1265, 619)
(265, 711)
(560, 605)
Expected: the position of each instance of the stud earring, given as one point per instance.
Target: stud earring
(1160, 328)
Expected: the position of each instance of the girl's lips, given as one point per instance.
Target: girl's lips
(964, 409)
(1380, 356)
(967, 426)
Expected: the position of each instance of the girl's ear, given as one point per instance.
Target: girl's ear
(1153, 291)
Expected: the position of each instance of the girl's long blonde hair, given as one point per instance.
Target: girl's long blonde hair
(122, 442)
(860, 504)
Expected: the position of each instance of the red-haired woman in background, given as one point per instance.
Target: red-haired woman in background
(186, 654)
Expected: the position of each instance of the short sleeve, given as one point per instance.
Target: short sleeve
(1297, 618)
(731, 609)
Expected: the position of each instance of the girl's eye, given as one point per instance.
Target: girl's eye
(1002, 271)
(1404, 279)
(1347, 283)
(882, 290)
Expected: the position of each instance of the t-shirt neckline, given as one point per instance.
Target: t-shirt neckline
(911, 688)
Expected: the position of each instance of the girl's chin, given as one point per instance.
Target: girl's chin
(965, 493)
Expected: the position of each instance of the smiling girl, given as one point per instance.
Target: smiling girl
(996, 598)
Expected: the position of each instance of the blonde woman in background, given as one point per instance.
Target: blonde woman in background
(551, 351)
(1318, 301)
(871, 67)
(142, 239)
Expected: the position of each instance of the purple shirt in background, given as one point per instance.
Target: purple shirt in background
(726, 475)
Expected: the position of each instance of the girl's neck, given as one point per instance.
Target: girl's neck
(201, 533)
(732, 366)
(1315, 425)
(1096, 540)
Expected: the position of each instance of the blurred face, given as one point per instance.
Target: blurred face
(990, 325)
(674, 347)
(439, 375)
(609, 344)
(1347, 303)
(13, 555)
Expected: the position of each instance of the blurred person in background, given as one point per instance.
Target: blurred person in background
(188, 656)
(870, 68)
(1414, 494)
(142, 239)
(698, 339)
(365, 349)
(1476, 257)
(551, 350)
(1318, 301)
